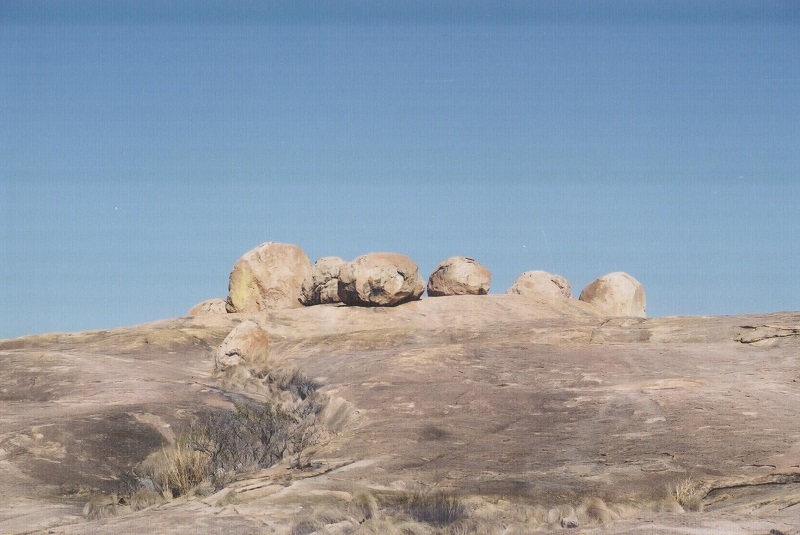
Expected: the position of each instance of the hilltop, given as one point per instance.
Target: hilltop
(529, 411)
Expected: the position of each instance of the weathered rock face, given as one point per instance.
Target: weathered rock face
(535, 283)
(209, 306)
(322, 285)
(459, 275)
(247, 343)
(616, 294)
(268, 277)
(380, 279)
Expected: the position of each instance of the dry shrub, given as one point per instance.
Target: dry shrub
(435, 507)
(293, 381)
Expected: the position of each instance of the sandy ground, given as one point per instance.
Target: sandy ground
(513, 403)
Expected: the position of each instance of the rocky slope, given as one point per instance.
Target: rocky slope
(527, 408)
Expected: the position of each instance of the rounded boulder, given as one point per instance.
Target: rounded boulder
(247, 343)
(459, 275)
(268, 277)
(541, 283)
(209, 306)
(322, 284)
(380, 279)
(616, 294)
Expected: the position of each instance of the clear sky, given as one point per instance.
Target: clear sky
(145, 146)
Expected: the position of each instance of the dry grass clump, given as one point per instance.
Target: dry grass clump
(321, 519)
(393, 527)
(366, 504)
(177, 469)
(689, 494)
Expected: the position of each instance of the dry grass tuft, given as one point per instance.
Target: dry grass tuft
(178, 468)
(688, 494)
(366, 504)
(100, 507)
(595, 511)
(375, 526)
(320, 518)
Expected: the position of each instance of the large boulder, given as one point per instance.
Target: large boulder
(616, 294)
(322, 284)
(268, 277)
(380, 279)
(247, 343)
(459, 275)
(541, 283)
(209, 306)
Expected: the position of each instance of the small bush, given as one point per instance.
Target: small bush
(250, 437)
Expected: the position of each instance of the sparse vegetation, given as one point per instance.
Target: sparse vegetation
(220, 444)
(177, 469)
(435, 507)
(688, 494)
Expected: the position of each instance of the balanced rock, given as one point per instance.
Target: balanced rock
(533, 283)
(616, 294)
(322, 284)
(459, 275)
(209, 306)
(268, 277)
(247, 343)
(380, 279)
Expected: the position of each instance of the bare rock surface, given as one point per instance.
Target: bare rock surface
(247, 343)
(380, 279)
(616, 294)
(268, 277)
(459, 275)
(322, 285)
(541, 283)
(209, 306)
(538, 417)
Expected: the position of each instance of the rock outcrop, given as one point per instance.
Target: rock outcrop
(247, 343)
(541, 283)
(459, 275)
(268, 277)
(380, 279)
(209, 306)
(616, 294)
(322, 284)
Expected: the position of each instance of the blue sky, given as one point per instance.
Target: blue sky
(145, 146)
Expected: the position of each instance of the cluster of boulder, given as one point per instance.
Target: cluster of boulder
(279, 275)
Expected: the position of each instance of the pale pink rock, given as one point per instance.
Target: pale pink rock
(541, 283)
(269, 277)
(322, 284)
(209, 306)
(380, 279)
(459, 275)
(616, 294)
(247, 343)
